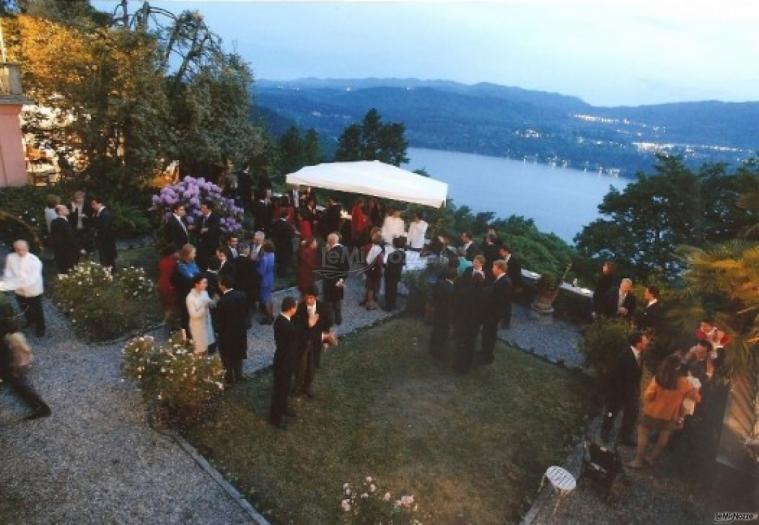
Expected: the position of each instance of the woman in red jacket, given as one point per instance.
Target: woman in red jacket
(359, 224)
(308, 263)
(167, 265)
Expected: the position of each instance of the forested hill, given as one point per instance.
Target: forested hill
(517, 123)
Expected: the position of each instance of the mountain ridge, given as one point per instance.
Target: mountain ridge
(512, 122)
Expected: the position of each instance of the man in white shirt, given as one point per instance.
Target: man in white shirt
(23, 275)
(416, 232)
(393, 226)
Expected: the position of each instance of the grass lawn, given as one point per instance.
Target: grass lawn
(472, 448)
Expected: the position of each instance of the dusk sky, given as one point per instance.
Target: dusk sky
(608, 53)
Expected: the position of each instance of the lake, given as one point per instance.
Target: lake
(560, 200)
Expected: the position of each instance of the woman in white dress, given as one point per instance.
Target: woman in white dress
(199, 307)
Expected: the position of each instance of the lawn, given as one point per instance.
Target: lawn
(471, 448)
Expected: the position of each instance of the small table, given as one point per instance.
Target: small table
(562, 481)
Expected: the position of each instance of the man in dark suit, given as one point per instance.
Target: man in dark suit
(287, 340)
(330, 221)
(232, 247)
(218, 267)
(105, 238)
(313, 319)
(652, 316)
(442, 314)
(478, 266)
(232, 327)
(79, 218)
(623, 390)
(468, 248)
(621, 302)
(490, 249)
(63, 242)
(471, 302)
(335, 271)
(498, 306)
(514, 272)
(606, 283)
(208, 234)
(176, 229)
(282, 235)
(262, 212)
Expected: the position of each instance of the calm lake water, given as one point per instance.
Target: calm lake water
(560, 200)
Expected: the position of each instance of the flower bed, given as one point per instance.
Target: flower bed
(101, 305)
(176, 384)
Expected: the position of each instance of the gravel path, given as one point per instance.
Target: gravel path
(555, 340)
(95, 460)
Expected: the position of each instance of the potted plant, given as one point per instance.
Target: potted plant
(548, 290)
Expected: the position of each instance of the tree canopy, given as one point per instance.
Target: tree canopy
(373, 140)
(132, 92)
(643, 225)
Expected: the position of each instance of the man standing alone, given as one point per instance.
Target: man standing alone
(23, 275)
(232, 327)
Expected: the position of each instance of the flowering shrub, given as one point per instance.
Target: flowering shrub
(175, 382)
(191, 192)
(101, 305)
(368, 505)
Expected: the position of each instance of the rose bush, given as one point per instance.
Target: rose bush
(176, 384)
(102, 306)
(368, 505)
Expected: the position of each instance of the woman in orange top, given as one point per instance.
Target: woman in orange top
(661, 408)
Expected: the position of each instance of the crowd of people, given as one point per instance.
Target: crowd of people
(680, 378)
(211, 285)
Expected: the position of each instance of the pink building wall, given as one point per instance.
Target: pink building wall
(12, 164)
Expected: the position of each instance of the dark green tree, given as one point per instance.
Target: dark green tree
(373, 140)
(643, 225)
(349, 144)
(291, 149)
(311, 150)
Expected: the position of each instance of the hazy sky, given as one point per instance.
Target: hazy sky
(608, 53)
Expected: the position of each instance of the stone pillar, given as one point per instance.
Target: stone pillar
(12, 163)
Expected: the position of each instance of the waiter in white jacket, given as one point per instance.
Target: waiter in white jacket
(23, 275)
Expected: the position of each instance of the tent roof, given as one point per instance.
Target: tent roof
(372, 177)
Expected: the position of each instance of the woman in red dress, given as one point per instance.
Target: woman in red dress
(308, 263)
(359, 224)
(166, 267)
(307, 213)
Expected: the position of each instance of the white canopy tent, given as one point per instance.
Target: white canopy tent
(372, 177)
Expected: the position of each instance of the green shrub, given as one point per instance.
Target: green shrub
(130, 221)
(175, 383)
(601, 344)
(22, 215)
(101, 306)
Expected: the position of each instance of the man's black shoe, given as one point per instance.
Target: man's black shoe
(39, 413)
(279, 424)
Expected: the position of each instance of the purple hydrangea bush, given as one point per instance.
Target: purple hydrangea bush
(191, 192)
